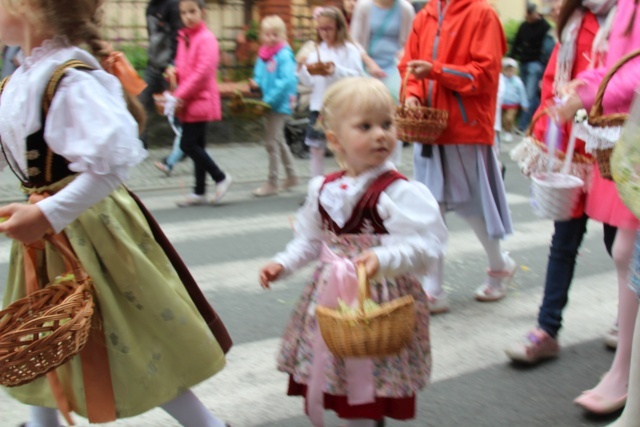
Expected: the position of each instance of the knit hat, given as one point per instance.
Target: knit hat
(509, 62)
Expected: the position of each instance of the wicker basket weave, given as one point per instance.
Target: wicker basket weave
(319, 68)
(598, 119)
(382, 332)
(418, 124)
(45, 329)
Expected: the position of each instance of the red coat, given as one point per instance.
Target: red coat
(467, 59)
(196, 68)
(586, 34)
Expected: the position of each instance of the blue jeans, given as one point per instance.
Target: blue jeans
(531, 74)
(565, 243)
(176, 154)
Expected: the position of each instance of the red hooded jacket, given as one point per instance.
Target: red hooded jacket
(466, 43)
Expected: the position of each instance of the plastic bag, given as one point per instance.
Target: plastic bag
(625, 160)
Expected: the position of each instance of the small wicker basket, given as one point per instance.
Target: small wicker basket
(598, 119)
(45, 329)
(319, 68)
(382, 332)
(419, 124)
(247, 108)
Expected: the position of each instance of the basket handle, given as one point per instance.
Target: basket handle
(364, 292)
(173, 82)
(534, 120)
(595, 115)
(403, 89)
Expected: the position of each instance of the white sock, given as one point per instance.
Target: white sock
(317, 161)
(43, 417)
(189, 411)
(491, 246)
(432, 284)
(361, 423)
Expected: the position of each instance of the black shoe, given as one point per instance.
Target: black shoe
(380, 423)
(503, 170)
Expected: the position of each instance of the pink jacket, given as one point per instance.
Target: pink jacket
(619, 92)
(196, 68)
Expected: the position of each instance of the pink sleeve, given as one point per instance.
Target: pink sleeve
(620, 90)
(198, 78)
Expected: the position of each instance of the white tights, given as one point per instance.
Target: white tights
(432, 284)
(187, 409)
(614, 382)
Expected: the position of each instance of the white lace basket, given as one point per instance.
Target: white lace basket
(555, 195)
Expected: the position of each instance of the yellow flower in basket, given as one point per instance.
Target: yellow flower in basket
(371, 329)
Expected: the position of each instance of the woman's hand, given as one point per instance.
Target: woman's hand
(412, 101)
(571, 88)
(331, 68)
(25, 222)
(370, 261)
(269, 273)
(566, 112)
(420, 69)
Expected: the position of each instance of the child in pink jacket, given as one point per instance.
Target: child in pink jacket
(198, 98)
(604, 204)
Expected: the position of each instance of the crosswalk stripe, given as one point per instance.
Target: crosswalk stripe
(251, 392)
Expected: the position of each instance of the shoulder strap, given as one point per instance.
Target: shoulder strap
(55, 79)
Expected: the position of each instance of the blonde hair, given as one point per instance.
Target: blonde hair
(275, 23)
(342, 29)
(360, 93)
(79, 22)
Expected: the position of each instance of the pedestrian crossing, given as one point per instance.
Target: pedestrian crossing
(250, 392)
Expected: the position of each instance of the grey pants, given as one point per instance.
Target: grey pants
(277, 148)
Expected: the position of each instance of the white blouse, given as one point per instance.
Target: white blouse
(417, 233)
(88, 124)
(348, 63)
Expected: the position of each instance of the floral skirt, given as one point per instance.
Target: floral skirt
(397, 378)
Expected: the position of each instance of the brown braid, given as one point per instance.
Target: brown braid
(632, 20)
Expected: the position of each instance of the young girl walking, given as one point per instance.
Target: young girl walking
(367, 214)
(72, 160)
(604, 204)
(275, 75)
(198, 97)
(335, 46)
(454, 56)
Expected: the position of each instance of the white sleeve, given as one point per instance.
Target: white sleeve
(84, 191)
(305, 246)
(353, 67)
(417, 233)
(89, 125)
(304, 77)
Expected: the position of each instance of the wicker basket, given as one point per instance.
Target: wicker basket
(320, 68)
(381, 332)
(419, 124)
(160, 100)
(598, 119)
(532, 155)
(45, 329)
(247, 108)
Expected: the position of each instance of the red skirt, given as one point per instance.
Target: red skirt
(384, 407)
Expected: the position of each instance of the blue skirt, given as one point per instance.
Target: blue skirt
(466, 178)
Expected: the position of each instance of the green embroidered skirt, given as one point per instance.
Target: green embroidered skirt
(158, 344)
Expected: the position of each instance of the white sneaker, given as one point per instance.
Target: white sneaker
(507, 137)
(439, 304)
(221, 188)
(495, 285)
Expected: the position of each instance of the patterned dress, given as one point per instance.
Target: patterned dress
(397, 378)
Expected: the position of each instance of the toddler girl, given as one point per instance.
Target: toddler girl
(370, 214)
(274, 73)
(515, 96)
(79, 152)
(198, 95)
(334, 45)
